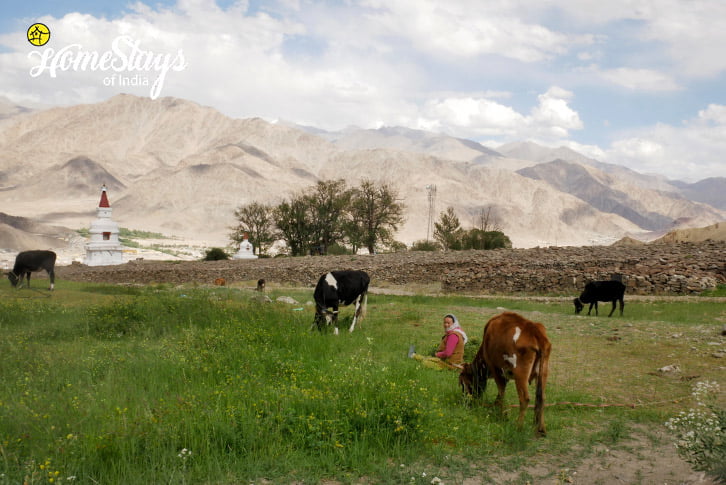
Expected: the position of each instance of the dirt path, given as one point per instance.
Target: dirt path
(646, 457)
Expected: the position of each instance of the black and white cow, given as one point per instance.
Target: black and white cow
(340, 288)
(596, 291)
(27, 262)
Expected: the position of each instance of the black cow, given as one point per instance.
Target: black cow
(27, 262)
(596, 291)
(340, 288)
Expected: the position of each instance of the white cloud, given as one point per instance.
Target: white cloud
(691, 151)
(714, 113)
(641, 79)
(470, 28)
(685, 37)
(694, 34)
(553, 114)
(551, 119)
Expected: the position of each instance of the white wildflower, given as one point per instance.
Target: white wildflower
(184, 454)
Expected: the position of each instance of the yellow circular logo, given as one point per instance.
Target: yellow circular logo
(38, 34)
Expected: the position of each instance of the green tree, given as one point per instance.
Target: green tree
(328, 201)
(447, 231)
(377, 214)
(292, 219)
(354, 229)
(256, 221)
(478, 239)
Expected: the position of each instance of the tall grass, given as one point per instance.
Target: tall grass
(106, 384)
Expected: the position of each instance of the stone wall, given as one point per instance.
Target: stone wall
(645, 270)
(683, 268)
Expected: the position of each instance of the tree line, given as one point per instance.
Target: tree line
(326, 215)
(487, 233)
(330, 217)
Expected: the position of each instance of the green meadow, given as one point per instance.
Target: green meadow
(103, 384)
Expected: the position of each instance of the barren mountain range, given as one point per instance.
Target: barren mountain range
(178, 168)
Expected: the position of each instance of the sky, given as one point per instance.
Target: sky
(640, 83)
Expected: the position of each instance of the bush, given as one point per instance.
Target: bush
(423, 245)
(338, 249)
(701, 433)
(215, 254)
(477, 239)
(397, 247)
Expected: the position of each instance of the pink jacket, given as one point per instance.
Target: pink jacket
(452, 338)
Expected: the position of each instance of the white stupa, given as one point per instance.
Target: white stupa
(246, 250)
(104, 247)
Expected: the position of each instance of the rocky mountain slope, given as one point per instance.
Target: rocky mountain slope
(175, 167)
(649, 209)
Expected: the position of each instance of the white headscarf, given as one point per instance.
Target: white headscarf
(456, 326)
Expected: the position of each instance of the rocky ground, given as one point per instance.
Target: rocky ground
(678, 268)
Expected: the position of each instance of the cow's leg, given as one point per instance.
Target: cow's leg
(501, 382)
(593, 304)
(51, 274)
(622, 304)
(615, 303)
(355, 313)
(523, 393)
(335, 318)
(540, 396)
(360, 309)
(521, 379)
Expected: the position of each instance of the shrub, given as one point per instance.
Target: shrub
(701, 432)
(338, 249)
(215, 254)
(397, 247)
(423, 245)
(478, 239)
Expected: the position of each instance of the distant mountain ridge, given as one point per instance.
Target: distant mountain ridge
(407, 139)
(576, 179)
(173, 166)
(709, 191)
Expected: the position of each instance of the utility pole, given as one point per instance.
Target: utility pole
(431, 189)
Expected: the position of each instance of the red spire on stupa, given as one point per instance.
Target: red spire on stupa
(104, 198)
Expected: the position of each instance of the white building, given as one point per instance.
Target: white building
(104, 247)
(246, 250)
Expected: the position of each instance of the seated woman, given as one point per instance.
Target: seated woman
(450, 353)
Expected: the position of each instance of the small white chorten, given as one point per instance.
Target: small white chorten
(104, 247)
(246, 250)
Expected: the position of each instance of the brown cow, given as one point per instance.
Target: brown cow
(512, 348)
(220, 282)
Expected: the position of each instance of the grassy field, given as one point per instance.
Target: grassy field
(111, 384)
